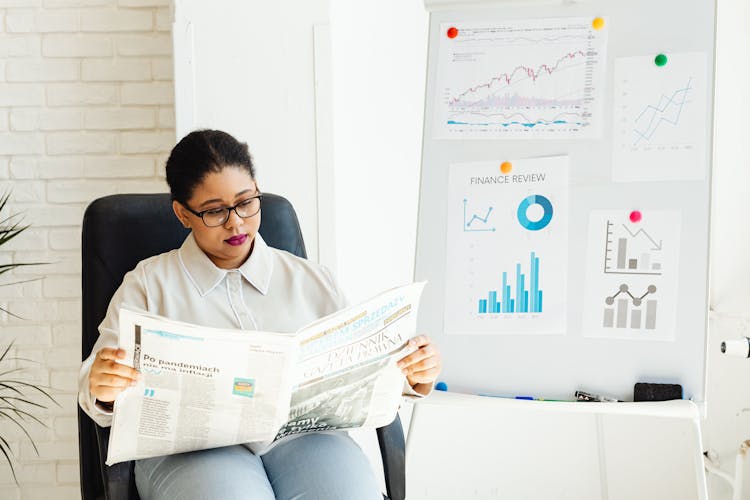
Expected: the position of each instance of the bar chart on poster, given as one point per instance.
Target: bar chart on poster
(565, 195)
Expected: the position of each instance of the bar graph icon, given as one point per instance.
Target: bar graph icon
(625, 310)
(524, 297)
(628, 252)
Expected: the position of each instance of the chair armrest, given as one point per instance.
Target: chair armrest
(119, 479)
(392, 449)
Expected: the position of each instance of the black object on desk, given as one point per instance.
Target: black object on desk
(656, 392)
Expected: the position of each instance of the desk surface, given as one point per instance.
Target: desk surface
(465, 446)
(682, 409)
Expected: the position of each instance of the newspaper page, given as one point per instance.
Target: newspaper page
(207, 387)
(201, 387)
(347, 375)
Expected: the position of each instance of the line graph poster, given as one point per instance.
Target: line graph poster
(660, 118)
(538, 78)
(631, 275)
(507, 237)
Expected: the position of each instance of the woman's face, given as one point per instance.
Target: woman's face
(227, 245)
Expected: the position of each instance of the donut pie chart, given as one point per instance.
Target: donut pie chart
(535, 199)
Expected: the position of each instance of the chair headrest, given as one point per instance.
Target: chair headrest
(121, 230)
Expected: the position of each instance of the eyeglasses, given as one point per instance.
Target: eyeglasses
(219, 216)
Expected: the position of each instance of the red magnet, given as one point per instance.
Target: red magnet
(635, 216)
(452, 32)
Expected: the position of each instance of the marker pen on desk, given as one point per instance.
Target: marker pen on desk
(526, 398)
(585, 396)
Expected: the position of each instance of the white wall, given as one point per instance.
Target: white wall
(379, 66)
(728, 387)
(730, 287)
(254, 76)
(86, 109)
(264, 75)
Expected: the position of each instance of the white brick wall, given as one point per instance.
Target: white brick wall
(77, 46)
(86, 109)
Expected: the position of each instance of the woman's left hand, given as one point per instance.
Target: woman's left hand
(423, 365)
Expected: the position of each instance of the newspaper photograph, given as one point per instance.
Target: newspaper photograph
(209, 387)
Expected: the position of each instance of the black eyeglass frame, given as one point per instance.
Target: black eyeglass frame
(228, 210)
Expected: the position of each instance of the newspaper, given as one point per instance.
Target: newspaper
(208, 387)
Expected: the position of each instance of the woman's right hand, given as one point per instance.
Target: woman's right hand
(108, 378)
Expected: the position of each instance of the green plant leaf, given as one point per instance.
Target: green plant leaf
(4, 268)
(8, 233)
(23, 415)
(19, 400)
(12, 370)
(10, 313)
(16, 358)
(7, 349)
(31, 386)
(9, 400)
(5, 448)
(22, 281)
(4, 200)
(4, 386)
(28, 436)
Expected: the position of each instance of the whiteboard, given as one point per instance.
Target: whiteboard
(625, 299)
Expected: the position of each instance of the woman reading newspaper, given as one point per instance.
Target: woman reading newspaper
(224, 275)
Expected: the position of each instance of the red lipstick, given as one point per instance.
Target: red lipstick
(237, 240)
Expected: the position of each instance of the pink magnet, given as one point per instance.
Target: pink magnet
(635, 216)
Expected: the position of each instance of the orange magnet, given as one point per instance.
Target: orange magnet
(506, 167)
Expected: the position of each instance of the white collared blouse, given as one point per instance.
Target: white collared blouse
(272, 291)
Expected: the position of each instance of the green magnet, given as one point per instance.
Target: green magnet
(660, 60)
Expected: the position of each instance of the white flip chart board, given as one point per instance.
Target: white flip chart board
(565, 194)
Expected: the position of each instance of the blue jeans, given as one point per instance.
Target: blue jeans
(314, 466)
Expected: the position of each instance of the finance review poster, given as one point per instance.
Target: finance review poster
(507, 240)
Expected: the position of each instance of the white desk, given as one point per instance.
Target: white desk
(471, 447)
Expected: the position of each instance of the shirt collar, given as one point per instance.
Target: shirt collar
(258, 267)
(206, 276)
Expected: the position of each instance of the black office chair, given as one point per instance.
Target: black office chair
(118, 232)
